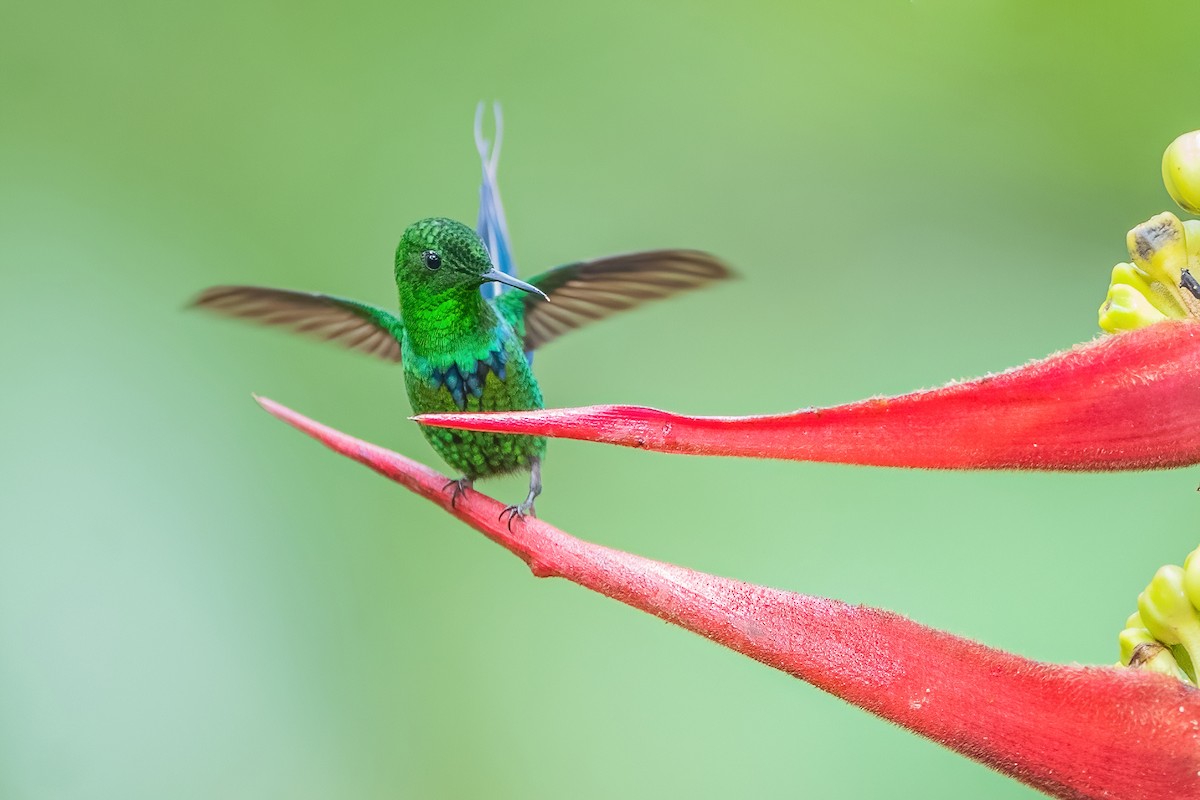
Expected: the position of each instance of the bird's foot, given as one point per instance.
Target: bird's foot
(461, 485)
(518, 512)
(535, 488)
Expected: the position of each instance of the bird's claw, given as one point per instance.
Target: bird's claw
(517, 512)
(461, 485)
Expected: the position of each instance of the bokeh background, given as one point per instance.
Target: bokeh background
(197, 602)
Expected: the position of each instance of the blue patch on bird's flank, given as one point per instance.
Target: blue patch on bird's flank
(460, 382)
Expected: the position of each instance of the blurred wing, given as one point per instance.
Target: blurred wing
(355, 325)
(592, 290)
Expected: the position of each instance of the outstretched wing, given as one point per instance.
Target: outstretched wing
(355, 325)
(592, 290)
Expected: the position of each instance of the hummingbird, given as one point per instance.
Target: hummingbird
(463, 345)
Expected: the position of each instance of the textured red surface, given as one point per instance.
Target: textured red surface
(1121, 402)
(1071, 731)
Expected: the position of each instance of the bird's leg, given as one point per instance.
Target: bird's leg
(535, 488)
(461, 485)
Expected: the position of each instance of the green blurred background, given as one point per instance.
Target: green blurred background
(197, 602)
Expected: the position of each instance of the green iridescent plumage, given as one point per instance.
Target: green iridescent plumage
(462, 351)
(459, 353)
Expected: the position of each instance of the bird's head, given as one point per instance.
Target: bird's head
(439, 254)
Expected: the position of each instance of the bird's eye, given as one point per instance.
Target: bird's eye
(432, 259)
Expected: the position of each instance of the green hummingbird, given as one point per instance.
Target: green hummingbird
(462, 351)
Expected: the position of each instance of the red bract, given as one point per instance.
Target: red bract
(1122, 402)
(1070, 731)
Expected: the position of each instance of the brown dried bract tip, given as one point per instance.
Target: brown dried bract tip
(1144, 652)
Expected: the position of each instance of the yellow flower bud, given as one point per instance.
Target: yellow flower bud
(1191, 576)
(1130, 639)
(1181, 171)
(1157, 247)
(1159, 296)
(1126, 309)
(1140, 650)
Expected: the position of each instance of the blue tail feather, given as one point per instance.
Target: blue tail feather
(492, 225)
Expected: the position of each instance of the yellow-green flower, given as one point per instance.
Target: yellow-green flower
(1164, 635)
(1149, 289)
(1164, 251)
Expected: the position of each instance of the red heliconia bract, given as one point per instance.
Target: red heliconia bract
(1070, 731)
(1123, 402)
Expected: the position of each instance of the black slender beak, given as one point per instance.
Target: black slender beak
(496, 275)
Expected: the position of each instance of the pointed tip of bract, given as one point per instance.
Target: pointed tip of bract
(269, 405)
